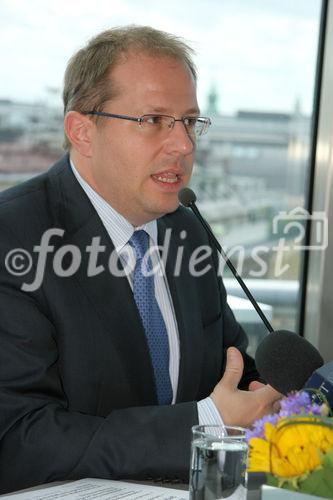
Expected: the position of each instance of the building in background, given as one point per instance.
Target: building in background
(248, 168)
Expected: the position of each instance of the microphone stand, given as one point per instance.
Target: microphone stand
(213, 239)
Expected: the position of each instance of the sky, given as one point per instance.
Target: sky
(258, 54)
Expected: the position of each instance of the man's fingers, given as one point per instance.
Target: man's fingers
(234, 368)
(276, 406)
(271, 395)
(255, 385)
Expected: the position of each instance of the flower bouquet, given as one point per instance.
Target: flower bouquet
(294, 447)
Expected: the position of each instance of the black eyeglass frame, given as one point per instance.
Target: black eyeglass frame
(139, 119)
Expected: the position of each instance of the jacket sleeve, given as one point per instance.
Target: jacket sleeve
(41, 440)
(232, 332)
(234, 335)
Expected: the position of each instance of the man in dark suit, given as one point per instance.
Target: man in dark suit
(82, 387)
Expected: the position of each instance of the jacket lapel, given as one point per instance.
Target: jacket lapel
(187, 311)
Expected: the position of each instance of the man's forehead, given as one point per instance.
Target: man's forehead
(149, 81)
(146, 59)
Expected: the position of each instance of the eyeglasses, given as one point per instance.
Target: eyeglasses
(194, 125)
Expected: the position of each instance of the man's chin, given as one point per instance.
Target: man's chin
(170, 207)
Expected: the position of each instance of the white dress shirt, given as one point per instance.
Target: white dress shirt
(120, 232)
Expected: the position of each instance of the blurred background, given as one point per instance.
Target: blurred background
(258, 70)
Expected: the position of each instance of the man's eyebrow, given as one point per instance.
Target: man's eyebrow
(193, 111)
(165, 111)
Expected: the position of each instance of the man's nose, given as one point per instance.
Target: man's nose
(179, 140)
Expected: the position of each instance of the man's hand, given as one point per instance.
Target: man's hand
(242, 407)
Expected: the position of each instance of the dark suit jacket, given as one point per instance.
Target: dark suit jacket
(77, 396)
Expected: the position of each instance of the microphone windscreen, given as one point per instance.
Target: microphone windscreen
(286, 360)
(186, 197)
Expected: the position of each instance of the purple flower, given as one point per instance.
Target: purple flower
(296, 403)
(258, 426)
(315, 409)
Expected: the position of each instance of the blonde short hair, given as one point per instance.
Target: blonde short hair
(87, 84)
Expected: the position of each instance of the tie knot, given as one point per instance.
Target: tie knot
(140, 242)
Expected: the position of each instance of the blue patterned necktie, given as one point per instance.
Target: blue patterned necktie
(152, 319)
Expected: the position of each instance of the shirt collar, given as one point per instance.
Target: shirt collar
(119, 229)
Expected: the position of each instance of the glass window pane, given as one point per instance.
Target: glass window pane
(253, 165)
(256, 62)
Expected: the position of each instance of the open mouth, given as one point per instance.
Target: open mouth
(167, 178)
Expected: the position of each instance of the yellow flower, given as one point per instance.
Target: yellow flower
(290, 449)
(259, 455)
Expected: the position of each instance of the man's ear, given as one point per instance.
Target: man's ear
(78, 129)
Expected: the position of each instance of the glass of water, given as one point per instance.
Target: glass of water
(218, 463)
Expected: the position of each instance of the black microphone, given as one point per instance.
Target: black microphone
(187, 198)
(287, 362)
